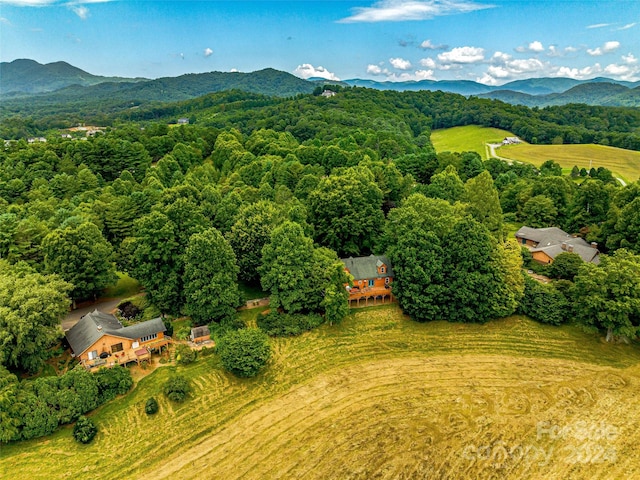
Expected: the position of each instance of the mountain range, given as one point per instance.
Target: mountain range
(61, 82)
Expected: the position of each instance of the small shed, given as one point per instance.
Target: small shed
(200, 334)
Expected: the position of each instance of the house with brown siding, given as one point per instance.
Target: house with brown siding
(372, 279)
(545, 244)
(100, 340)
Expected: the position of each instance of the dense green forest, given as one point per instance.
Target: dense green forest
(305, 116)
(273, 192)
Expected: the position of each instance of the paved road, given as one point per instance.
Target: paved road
(104, 305)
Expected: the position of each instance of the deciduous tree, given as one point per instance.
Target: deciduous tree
(210, 278)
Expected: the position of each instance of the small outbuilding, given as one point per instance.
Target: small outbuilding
(200, 334)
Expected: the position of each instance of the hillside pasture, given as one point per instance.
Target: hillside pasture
(470, 138)
(623, 163)
(379, 396)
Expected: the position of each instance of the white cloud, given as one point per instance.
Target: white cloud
(411, 76)
(234, 70)
(629, 59)
(462, 55)
(76, 6)
(306, 70)
(428, 45)
(503, 67)
(628, 26)
(535, 47)
(80, 10)
(599, 25)
(405, 10)
(500, 57)
(608, 47)
(428, 62)
(5, 21)
(400, 63)
(577, 73)
(208, 52)
(629, 71)
(374, 69)
(570, 49)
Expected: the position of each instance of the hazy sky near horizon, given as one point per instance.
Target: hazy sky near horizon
(492, 42)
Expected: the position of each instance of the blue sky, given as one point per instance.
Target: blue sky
(493, 42)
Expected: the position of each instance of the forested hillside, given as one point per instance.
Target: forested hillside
(272, 192)
(306, 115)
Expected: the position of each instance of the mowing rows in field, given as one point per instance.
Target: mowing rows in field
(379, 396)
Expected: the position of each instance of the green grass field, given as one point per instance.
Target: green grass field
(470, 138)
(623, 163)
(379, 396)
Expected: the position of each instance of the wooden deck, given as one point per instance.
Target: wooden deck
(370, 296)
(138, 355)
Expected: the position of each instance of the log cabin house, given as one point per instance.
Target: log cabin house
(545, 244)
(372, 279)
(100, 340)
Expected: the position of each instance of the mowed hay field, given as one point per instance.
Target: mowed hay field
(623, 163)
(470, 138)
(377, 397)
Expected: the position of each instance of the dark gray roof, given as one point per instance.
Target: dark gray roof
(588, 253)
(94, 325)
(550, 240)
(549, 236)
(363, 268)
(142, 329)
(200, 332)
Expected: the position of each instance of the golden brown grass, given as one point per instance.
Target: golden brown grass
(379, 396)
(623, 163)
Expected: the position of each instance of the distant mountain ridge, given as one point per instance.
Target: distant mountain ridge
(602, 94)
(24, 76)
(531, 86)
(60, 82)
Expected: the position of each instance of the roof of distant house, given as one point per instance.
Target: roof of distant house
(362, 268)
(550, 240)
(94, 325)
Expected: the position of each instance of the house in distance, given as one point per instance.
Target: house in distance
(100, 340)
(545, 244)
(372, 279)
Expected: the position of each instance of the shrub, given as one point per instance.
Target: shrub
(129, 310)
(84, 430)
(543, 303)
(113, 381)
(284, 324)
(151, 407)
(244, 352)
(177, 388)
(185, 354)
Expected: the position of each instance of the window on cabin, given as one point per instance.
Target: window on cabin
(146, 338)
(382, 270)
(371, 283)
(386, 281)
(116, 348)
(93, 354)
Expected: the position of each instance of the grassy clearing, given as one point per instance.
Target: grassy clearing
(623, 163)
(379, 396)
(470, 138)
(251, 292)
(124, 287)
